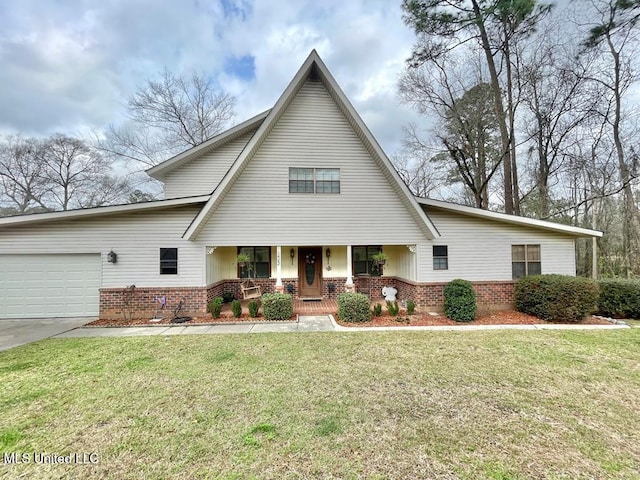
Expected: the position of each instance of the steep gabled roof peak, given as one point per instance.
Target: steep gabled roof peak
(314, 66)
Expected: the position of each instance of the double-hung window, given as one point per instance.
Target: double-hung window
(168, 261)
(314, 180)
(363, 260)
(440, 257)
(259, 264)
(525, 260)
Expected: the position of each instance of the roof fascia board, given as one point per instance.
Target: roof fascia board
(251, 147)
(159, 171)
(514, 219)
(100, 211)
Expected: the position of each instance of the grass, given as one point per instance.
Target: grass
(504, 405)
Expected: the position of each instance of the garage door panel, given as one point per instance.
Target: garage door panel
(49, 285)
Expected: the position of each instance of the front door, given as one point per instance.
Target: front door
(310, 271)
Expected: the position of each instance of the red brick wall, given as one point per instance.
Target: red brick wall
(140, 302)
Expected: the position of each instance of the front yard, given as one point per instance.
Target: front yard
(483, 405)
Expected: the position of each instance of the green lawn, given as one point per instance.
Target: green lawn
(399, 405)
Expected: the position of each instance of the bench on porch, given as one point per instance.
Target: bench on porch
(250, 290)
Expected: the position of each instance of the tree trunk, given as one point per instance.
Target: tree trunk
(500, 113)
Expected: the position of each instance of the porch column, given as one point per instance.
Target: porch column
(349, 287)
(279, 286)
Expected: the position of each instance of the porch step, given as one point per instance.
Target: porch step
(311, 299)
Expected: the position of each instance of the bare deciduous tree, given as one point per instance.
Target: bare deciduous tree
(168, 116)
(23, 181)
(493, 26)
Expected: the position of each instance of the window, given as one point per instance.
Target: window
(168, 261)
(314, 180)
(525, 260)
(363, 260)
(440, 257)
(259, 265)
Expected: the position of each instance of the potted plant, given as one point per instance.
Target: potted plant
(242, 259)
(380, 258)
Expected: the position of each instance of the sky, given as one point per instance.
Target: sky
(70, 65)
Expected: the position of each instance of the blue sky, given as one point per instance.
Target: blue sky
(69, 66)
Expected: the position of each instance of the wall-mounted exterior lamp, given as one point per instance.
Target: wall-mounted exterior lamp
(112, 257)
(328, 253)
(292, 254)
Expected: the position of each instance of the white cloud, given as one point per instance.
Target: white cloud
(70, 65)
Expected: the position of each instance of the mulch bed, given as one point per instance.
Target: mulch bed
(198, 320)
(496, 318)
(419, 319)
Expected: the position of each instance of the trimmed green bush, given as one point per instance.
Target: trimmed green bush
(460, 301)
(236, 308)
(277, 306)
(556, 298)
(377, 310)
(215, 306)
(619, 298)
(411, 307)
(253, 308)
(393, 308)
(353, 307)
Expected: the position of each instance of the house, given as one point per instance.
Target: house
(303, 189)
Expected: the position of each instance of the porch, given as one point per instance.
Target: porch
(309, 272)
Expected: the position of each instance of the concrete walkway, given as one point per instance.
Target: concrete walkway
(316, 323)
(307, 323)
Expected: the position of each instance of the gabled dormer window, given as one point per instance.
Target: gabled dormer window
(314, 180)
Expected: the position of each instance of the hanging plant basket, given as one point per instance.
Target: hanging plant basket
(380, 258)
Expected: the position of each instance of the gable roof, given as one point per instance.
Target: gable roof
(313, 67)
(98, 211)
(513, 219)
(160, 171)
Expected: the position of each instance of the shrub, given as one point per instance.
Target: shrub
(460, 301)
(377, 310)
(253, 308)
(392, 308)
(411, 307)
(236, 308)
(277, 306)
(558, 298)
(353, 307)
(215, 306)
(619, 298)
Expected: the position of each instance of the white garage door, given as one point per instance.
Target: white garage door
(49, 285)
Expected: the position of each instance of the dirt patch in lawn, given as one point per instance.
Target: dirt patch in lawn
(495, 318)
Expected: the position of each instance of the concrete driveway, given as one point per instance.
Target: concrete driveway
(19, 331)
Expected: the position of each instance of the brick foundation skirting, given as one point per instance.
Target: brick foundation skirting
(141, 302)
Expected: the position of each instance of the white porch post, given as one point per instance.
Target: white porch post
(349, 283)
(279, 286)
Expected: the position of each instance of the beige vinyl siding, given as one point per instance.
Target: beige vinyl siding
(311, 133)
(401, 263)
(135, 237)
(201, 175)
(480, 249)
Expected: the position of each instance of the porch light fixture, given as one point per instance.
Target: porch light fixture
(112, 257)
(411, 248)
(328, 253)
(292, 254)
